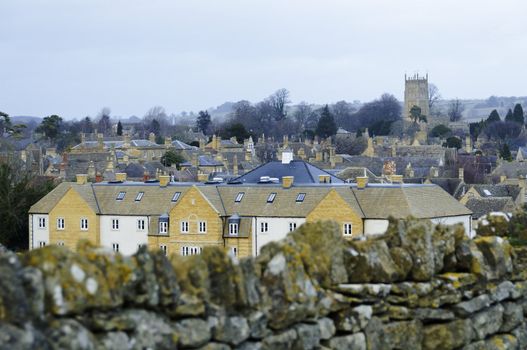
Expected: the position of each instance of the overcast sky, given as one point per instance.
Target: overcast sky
(72, 57)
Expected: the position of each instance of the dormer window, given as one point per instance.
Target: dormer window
(233, 229)
(139, 196)
(120, 196)
(239, 197)
(300, 197)
(176, 196)
(271, 197)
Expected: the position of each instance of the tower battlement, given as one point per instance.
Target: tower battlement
(415, 94)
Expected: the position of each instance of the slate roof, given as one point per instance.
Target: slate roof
(483, 206)
(498, 190)
(117, 144)
(180, 145)
(204, 161)
(304, 173)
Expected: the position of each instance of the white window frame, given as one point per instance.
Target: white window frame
(300, 197)
(139, 196)
(190, 250)
(60, 243)
(141, 224)
(163, 227)
(264, 227)
(42, 244)
(239, 197)
(271, 197)
(234, 252)
(60, 223)
(184, 227)
(41, 222)
(115, 247)
(202, 227)
(347, 229)
(120, 196)
(176, 196)
(234, 229)
(84, 224)
(115, 224)
(292, 226)
(164, 249)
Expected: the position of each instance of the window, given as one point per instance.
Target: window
(41, 222)
(184, 226)
(176, 196)
(347, 229)
(202, 227)
(41, 244)
(185, 251)
(120, 196)
(60, 243)
(239, 197)
(233, 229)
(487, 192)
(84, 224)
(292, 226)
(140, 245)
(163, 227)
(234, 252)
(300, 197)
(139, 196)
(140, 224)
(164, 249)
(60, 224)
(115, 247)
(115, 224)
(271, 197)
(264, 227)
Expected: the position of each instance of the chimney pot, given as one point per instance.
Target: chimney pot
(82, 179)
(287, 181)
(362, 182)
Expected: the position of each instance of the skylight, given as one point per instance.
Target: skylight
(487, 192)
(176, 196)
(300, 197)
(120, 196)
(139, 196)
(239, 197)
(271, 197)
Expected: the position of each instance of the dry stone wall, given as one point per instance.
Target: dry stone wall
(417, 287)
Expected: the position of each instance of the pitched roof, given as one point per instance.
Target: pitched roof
(46, 204)
(303, 172)
(498, 190)
(401, 201)
(483, 206)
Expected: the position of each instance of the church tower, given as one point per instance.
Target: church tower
(416, 94)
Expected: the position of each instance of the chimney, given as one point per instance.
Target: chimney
(168, 141)
(82, 179)
(120, 177)
(152, 137)
(126, 139)
(318, 156)
(248, 156)
(164, 180)
(201, 144)
(461, 174)
(362, 182)
(214, 142)
(235, 165)
(100, 141)
(521, 181)
(146, 175)
(194, 160)
(397, 179)
(324, 179)
(503, 178)
(83, 138)
(287, 181)
(98, 177)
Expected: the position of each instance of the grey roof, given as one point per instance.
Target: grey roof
(483, 206)
(498, 190)
(180, 145)
(204, 161)
(303, 172)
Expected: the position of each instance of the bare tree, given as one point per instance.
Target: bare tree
(302, 112)
(433, 97)
(104, 126)
(279, 101)
(455, 110)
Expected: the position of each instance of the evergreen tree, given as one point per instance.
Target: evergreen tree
(517, 114)
(509, 117)
(494, 116)
(416, 115)
(326, 126)
(505, 152)
(203, 121)
(50, 126)
(119, 129)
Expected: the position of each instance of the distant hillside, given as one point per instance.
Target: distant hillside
(23, 119)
